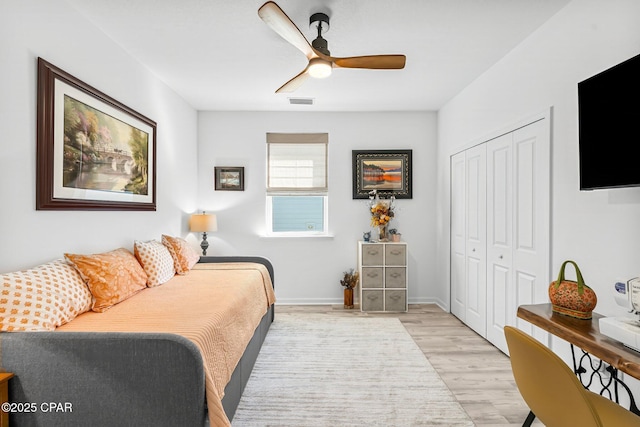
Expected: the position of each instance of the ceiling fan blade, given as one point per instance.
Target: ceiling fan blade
(295, 82)
(279, 22)
(377, 62)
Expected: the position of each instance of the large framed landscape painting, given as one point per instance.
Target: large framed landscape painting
(93, 153)
(386, 171)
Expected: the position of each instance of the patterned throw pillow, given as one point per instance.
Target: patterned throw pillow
(42, 298)
(184, 256)
(112, 277)
(156, 261)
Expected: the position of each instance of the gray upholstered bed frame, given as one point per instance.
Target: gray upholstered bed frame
(117, 379)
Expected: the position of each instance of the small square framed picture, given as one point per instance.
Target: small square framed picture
(229, 178)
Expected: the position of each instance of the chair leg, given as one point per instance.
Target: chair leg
(529, 420)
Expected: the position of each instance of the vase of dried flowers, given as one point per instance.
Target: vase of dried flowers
(381, 214)
(349, 281)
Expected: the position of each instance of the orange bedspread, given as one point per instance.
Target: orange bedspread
(217, 306)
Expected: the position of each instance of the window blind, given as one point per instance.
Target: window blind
(297, 162)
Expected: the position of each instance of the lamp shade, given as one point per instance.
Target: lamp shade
(203, 222)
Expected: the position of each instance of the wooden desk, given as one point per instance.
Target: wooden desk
(584, 334)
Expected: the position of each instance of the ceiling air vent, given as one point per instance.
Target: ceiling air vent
(301, 101)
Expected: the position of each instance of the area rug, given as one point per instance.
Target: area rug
(324, 370)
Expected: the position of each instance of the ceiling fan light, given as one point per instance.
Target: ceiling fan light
(319, 68)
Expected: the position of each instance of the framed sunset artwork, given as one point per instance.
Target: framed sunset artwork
(386, 171)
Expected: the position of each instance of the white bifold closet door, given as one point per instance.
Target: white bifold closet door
(458, 275)
(518, 193)
(506, 230)
(468, 237)
(476, 238)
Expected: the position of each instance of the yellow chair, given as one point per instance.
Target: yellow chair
(553, 392)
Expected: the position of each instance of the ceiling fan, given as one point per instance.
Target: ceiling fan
(320, 61)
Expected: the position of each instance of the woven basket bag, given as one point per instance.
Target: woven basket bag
(570, 298)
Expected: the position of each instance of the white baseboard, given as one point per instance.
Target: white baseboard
(334, 301)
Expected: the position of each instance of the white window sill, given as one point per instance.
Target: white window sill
(296, 236)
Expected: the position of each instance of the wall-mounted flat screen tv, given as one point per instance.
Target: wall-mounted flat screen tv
(609, 127)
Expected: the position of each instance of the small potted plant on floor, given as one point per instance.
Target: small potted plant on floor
(349, 281)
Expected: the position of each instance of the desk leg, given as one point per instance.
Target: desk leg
(632, 402)
(597, 366)
(529, 420)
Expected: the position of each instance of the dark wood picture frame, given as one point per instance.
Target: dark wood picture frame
(75, 139)
(229, 178)
(386, 171)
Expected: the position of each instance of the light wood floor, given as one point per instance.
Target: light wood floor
(477, 373)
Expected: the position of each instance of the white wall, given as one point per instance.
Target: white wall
(54, 31)
(308, 270)
(600, 230)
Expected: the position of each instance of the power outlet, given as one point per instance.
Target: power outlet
(603, 369)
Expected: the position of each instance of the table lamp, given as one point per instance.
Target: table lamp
(202, 223)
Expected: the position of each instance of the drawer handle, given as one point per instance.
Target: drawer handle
(372, 297)
(372, 252)
(395, 252)
(395, 275)
(372, 274)
(395, 297)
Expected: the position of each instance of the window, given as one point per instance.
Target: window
(297, 183)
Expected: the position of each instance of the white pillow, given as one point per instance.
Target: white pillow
(42, 298)
(156, 261)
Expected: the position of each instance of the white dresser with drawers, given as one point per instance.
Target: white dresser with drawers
(383, 276)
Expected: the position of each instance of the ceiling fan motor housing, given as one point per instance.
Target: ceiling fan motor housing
(321, 22)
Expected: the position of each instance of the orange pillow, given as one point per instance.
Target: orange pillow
(184, 256)
(112, 277)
